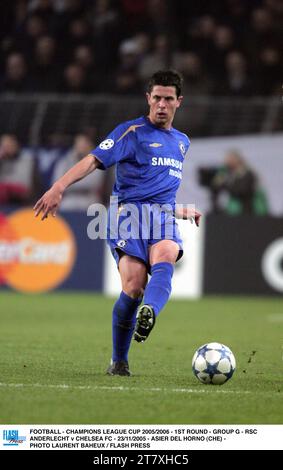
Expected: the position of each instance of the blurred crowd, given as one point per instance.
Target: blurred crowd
(230, 47)
(26, 172)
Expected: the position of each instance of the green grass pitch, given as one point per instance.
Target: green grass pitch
(55, 348)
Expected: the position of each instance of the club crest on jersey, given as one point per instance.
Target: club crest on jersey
(121, 243)
(155, 145)
(106, 144)
(182, 147)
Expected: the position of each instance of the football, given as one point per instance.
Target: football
(213, 363)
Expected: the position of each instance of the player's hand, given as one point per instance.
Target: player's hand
(49, 203)
(193, 215)
(189, 213)
(197, 215)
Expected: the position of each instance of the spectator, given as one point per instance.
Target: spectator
(126, 80)
(200, 37)
(25, 38)
(236, 80)
(16, 78)
(87, 191)
(83, 56)
(224, 42)
(108, 31)
(268, 79)
(158, 59)
(79, 33)
(75, 80)
(239, 186)
(44, 65)
(158, 16)
(17, 172)
(195, 80)
(127, 83)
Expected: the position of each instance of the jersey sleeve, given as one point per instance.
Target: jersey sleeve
(187, 146)
(117, 146)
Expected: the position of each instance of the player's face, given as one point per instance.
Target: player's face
(163, 103)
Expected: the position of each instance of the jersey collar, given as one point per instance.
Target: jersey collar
(149, 123)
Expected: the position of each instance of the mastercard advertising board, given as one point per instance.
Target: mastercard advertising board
(35, 256)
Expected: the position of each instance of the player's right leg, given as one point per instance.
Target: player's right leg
(133, 273)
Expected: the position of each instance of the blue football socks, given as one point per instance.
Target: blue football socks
(123, 324)
(158, 290)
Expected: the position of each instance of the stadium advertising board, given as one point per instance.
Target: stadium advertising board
(243, 255)
(41, 256)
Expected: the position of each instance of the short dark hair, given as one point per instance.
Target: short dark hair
(166, 78)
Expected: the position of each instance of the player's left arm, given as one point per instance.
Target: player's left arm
(188, 213)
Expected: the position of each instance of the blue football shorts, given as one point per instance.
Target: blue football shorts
(133, 227)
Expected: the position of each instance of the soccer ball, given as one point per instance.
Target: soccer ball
(214, 363)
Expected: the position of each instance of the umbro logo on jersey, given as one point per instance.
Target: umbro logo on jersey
(155, 145)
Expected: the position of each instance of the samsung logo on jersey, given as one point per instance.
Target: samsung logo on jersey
(166, 161)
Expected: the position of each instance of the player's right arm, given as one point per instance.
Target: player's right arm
(50, 201)
(115, 147)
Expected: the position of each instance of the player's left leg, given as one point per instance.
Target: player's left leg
(162, 257)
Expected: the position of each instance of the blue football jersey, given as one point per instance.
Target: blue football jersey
(149, 161)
